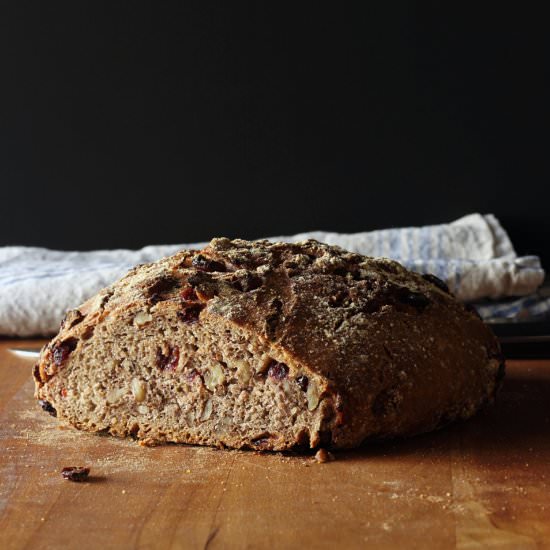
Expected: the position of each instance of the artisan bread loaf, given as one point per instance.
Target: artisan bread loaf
(269, 346)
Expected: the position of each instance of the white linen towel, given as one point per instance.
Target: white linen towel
(474, 255)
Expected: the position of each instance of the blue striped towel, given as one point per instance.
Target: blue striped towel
(474, 255)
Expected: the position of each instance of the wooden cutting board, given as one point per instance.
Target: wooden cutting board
(484, 483)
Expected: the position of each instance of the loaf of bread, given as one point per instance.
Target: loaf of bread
(269, 346)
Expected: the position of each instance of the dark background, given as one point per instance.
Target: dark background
(125, 124)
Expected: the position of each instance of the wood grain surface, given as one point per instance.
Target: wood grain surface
(484, 483)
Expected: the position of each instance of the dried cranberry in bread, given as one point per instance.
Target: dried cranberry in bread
(269, 346)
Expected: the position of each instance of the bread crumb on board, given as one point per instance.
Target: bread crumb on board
(322, 456)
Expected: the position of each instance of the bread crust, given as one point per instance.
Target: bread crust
(394, 353)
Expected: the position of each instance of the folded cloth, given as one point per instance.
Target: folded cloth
(474, 255)
(534, 307)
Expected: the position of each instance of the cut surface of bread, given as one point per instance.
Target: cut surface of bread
(270, 346)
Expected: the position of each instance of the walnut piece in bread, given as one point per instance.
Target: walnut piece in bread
(269, 346)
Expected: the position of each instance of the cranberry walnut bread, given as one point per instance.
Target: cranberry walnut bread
(269, 346)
